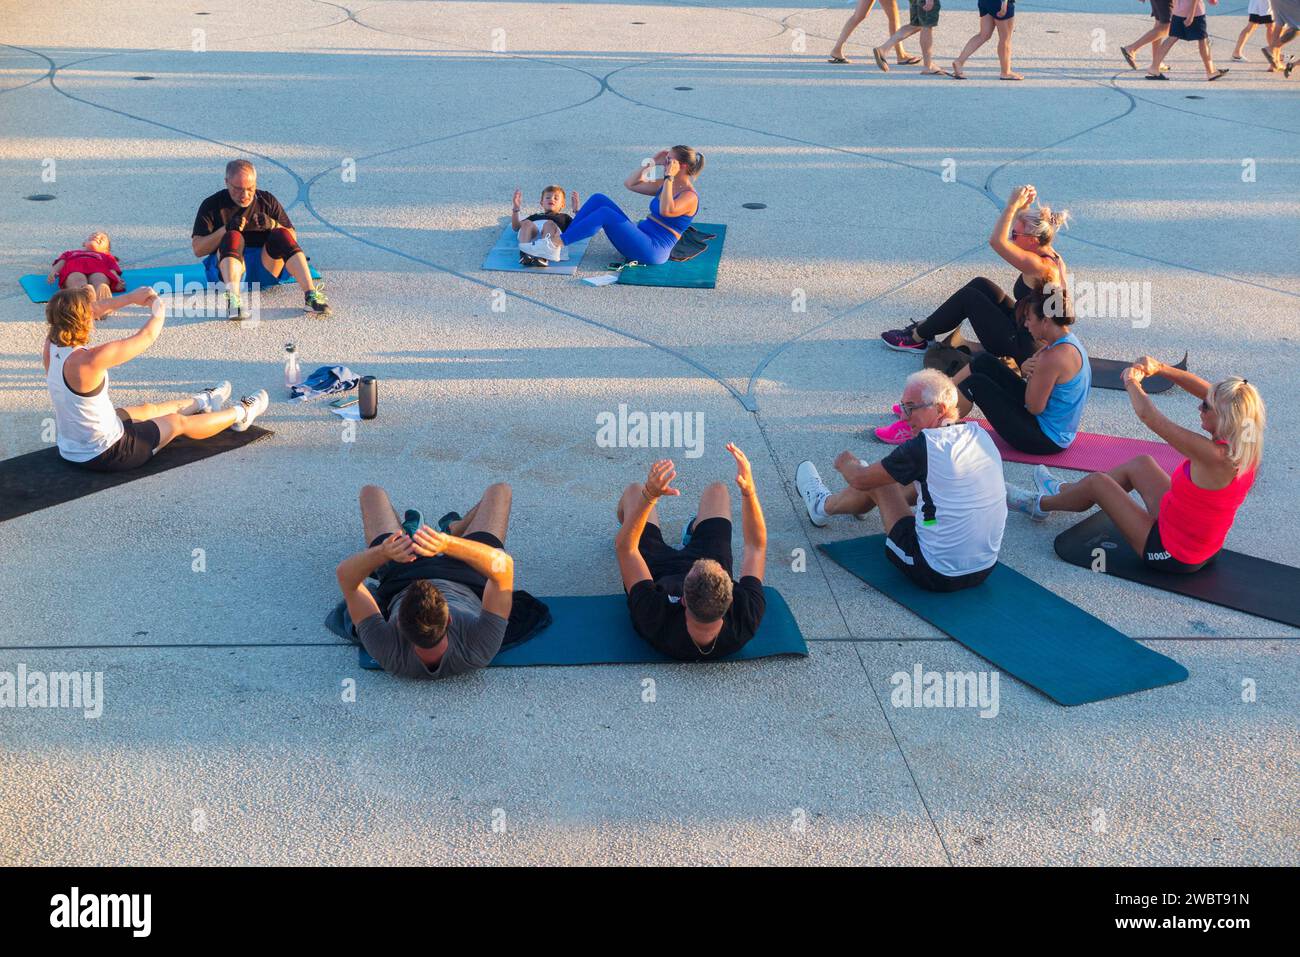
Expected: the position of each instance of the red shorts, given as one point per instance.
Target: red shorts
(88, 263)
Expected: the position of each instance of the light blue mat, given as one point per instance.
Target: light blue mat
(173, 278)
(504, 257)
(1021, 627)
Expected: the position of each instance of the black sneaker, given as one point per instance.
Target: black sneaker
(314, 300)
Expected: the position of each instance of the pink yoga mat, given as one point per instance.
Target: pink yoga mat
(1090, 452)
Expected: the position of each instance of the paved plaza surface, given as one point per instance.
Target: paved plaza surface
(395, 133)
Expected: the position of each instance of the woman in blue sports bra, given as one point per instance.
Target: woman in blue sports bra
(672, 208)
(1039, 413)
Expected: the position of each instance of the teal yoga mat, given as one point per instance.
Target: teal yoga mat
(595, 630)
(174, 278)
(698, 273)
(1021, 627)
(504, 257)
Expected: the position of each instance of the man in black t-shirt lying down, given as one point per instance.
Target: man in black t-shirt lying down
(942, 497)
(244, 231)
(683, 601)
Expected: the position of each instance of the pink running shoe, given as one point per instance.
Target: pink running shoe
(896, 433)
(897, 410)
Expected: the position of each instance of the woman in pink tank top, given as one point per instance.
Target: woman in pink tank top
(1185, 518)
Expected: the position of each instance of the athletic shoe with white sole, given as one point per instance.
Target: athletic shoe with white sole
(901, 340)
(253, 406)
(1045, 482)
(214, 398)
(808, 482)
(1025, 500)
(896, 433)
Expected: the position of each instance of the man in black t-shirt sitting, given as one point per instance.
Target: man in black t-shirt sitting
(243, 230)
(683, 601)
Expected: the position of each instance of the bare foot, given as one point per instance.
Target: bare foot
(934, 71)
(957, 71)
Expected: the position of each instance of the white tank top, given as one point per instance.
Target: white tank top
(87, 424)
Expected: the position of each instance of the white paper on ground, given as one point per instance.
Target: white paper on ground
(602, 280)
(352, 412)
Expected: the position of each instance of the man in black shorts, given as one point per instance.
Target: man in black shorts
(444, 599)
(1161, 11)
(683, 601)
(242, 231)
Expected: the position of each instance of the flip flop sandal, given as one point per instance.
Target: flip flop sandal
(909, 61)
(880, 60)
(958, 76)
(1158, 76)
(839, 59)
(1217, 74)
(1012, 78)
(1128, 58)
(1290, 65)
(444, 523)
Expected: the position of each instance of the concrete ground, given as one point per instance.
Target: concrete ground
(225, 737)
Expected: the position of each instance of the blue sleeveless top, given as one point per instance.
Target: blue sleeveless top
(1060, 418)
(678, 224)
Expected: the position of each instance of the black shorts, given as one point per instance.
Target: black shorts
(710, 538)
(137, 445)
(913, 564)
(439, 566)
(991, 8)
(1162, 10)
(1155, 555)
(1179, 30)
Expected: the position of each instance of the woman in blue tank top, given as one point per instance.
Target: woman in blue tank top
(1037, 410)
(673, 207)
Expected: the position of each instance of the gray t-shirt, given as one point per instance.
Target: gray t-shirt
(474, 637)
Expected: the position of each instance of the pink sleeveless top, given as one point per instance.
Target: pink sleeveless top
(1194, 521)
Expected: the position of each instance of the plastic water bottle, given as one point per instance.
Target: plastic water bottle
(292, 374)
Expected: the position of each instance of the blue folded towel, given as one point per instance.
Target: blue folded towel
(325, 381)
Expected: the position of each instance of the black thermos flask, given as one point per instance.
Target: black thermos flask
(368, 397)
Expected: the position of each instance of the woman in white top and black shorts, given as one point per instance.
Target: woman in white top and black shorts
(91, 432)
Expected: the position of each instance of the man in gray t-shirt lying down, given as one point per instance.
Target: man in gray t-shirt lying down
(443, 600)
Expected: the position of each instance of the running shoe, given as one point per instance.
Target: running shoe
(253, 406)
(688, 530)
(1025, 500)
(1045, 482)
(901, 339)
(214, 398)
(896, 433)
(808, 482)
(234, 307)
(315, 301)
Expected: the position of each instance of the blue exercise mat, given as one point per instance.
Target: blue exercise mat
(595, 630)
(1021, 627)
(173, 278)
(504, 257)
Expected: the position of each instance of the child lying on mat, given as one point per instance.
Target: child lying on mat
(91, 432)
(539, 234)
(92, 265)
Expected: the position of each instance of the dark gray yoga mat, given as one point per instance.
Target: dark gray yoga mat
(42, 479)
(1233, 580)
(1021, 627)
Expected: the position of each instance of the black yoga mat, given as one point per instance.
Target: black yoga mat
(1233, 580)
(37, 480)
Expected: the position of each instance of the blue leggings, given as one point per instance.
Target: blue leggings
(646, 242)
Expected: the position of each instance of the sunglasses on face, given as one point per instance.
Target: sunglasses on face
(909, 407)
(1205, 406)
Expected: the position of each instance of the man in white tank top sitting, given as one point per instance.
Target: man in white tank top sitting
(941, 494)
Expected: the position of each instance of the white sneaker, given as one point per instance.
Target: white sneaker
(1024, 500)
(1045, 482)
(808, 482)
(254, 405)
(214, 398)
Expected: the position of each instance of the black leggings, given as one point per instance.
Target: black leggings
(1000, 395)
(992, 315)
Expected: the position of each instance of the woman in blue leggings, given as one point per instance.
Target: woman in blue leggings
(673, 207)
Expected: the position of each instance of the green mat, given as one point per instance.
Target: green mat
(1021, 627)
(700, 272)
(595, 629)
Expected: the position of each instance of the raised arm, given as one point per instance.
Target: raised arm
(627, 544)
(110, 354)
(638, 183)
(515, 204)
(1197, 447)
(494, 564)
(353, 571)
(753, 527)
(1189, 382)
(1028, 263)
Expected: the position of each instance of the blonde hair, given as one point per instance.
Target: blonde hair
(556, 189)
(1240, 411)
(1042, 222)
(692, 160)
(70, 314)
